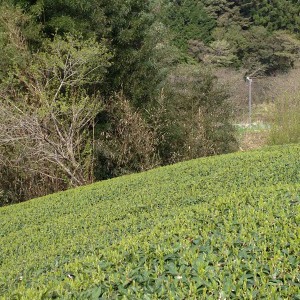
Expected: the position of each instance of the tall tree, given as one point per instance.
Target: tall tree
(123, 25)
(275, 15)
(188, 20)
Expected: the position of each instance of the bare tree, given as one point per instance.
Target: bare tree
(47, 113)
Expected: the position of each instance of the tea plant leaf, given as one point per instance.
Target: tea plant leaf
(224, 227)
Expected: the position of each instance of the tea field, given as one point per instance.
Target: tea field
(224, 227)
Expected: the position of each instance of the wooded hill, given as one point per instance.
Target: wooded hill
(96, 89)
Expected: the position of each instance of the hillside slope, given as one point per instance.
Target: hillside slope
(212, 228)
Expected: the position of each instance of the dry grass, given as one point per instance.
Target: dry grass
(251, 140)
(265, 91)
(271, 105)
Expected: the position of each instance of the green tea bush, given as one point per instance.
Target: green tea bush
(223, 227)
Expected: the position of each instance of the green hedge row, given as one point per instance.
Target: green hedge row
(224, 227)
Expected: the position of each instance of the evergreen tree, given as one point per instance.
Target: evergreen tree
(274, 15)
(124, 27)
(188, 20)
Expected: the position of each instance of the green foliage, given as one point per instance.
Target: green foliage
(127, 144)
(213, 228)
(143, 69)
(188, 20)
(64, 16)
(133, 69)
(219, 53)
(246, 33)
(46, 115)
(194, 115)
(258, 50)
(125, 27)
(56, 80)
(15, 28)
(275, 15)
(72, 61)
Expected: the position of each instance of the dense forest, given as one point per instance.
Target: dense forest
(95, 89)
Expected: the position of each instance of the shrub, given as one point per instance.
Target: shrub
(127, 144)
(286, 121)
(46, 111)
(195, 115)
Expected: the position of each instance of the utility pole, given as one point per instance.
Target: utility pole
(250, 100)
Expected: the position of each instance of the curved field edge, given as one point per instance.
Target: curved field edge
(214, 228)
